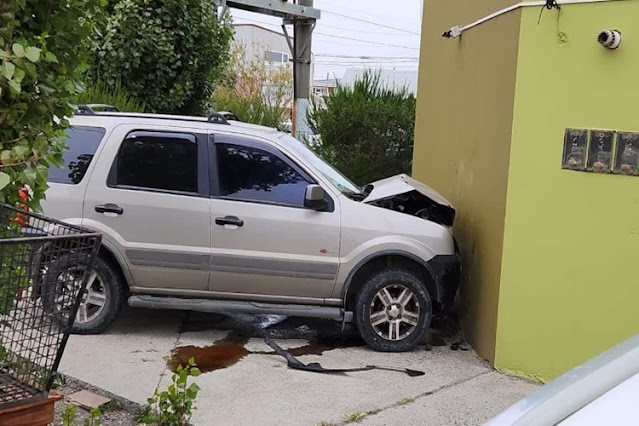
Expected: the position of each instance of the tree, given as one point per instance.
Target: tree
(366, 130)
(255, 89)
(167, 53)
(42, 59)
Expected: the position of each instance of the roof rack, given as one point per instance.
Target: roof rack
(106, 110)
(216, 117)
(89, 109)
(229, 115)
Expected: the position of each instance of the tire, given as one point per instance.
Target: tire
(105, 288)
(386, 325)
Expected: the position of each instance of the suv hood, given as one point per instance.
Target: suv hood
(407, 195)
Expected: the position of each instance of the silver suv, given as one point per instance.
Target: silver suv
(222, 216)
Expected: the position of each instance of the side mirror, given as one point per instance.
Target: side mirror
(315, 198)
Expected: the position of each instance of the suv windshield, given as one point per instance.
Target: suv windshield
(339, 180)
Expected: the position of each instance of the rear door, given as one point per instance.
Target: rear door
(149, 195)
(266, 245)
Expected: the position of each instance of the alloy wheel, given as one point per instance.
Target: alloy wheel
(394, 312)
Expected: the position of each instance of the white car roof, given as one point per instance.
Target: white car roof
(110, 119)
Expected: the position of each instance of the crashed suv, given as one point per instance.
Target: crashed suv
(217, 215)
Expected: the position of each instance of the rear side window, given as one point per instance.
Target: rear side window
(252, 174)
(157, 161)
(83, 142)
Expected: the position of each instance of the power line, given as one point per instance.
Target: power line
(363, 31)
(367, 41)
(321, 55)
(334, 27)
(369, 22)
(340, 37)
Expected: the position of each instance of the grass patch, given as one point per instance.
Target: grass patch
(354, 417)
(113, 405)
(324, 423)
(405, 401)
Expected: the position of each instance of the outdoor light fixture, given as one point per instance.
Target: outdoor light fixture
(610, 39)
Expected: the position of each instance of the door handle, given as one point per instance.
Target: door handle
(229, 220)
(109, 208)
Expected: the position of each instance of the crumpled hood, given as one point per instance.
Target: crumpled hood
(401, 184)
(407, 195)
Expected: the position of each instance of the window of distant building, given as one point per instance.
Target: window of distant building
(277, 57)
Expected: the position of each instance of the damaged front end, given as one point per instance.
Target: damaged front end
(404, 194)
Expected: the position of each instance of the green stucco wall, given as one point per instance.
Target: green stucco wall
(569, 278)
(462, 137)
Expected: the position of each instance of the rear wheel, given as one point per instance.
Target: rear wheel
(101, 302)
(393, 310)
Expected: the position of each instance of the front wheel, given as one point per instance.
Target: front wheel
(393, 310)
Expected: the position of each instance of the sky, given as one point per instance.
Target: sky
(390, 38)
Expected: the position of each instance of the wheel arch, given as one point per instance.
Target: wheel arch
(112, 256)
(373, 262)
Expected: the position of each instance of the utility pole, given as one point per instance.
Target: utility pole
(303, 17)
(302, 41)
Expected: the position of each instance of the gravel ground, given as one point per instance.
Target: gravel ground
(117, 412)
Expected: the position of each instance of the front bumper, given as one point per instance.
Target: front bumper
(446, 271)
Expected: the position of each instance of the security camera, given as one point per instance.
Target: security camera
(610, 39)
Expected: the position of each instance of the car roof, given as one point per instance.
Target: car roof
(110, 119)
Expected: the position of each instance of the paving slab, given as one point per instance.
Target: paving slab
(257, 387)
(260, 389)
(471, 402)
(128, 358)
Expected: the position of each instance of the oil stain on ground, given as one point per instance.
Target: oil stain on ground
(323, 335)
(231, 349)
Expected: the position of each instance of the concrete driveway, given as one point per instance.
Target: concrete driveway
(248, 384)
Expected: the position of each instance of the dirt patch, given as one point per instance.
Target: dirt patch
(118, 412)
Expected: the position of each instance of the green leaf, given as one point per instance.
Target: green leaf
(30, 176)
(5, 180)
(20, 150)
(18, 75)
(33, 53)
(5, 156)
(50, 57)
(195, 371)
(31, 69)
(15, 86)
(42, 172)
(18, 50)
(7, 69)
(4, 53)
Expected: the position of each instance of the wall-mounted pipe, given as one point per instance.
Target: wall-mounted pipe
(457, 30)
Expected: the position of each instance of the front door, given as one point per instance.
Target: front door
(149, 195)
(264, 242)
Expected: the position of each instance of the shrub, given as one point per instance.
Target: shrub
(366, 130)
(41, 64)
(99, 92)
(173, 406)
(166, 52)
(255, 90)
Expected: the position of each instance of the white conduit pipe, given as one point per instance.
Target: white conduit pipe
(456, 31)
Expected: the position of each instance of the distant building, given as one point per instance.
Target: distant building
(259, 41)
(390, 77)
(324, 87)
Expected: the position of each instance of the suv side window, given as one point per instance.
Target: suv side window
(157, 161)
(252, 174)
(83, 142)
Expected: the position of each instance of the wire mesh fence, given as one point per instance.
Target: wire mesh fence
(44, 268)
